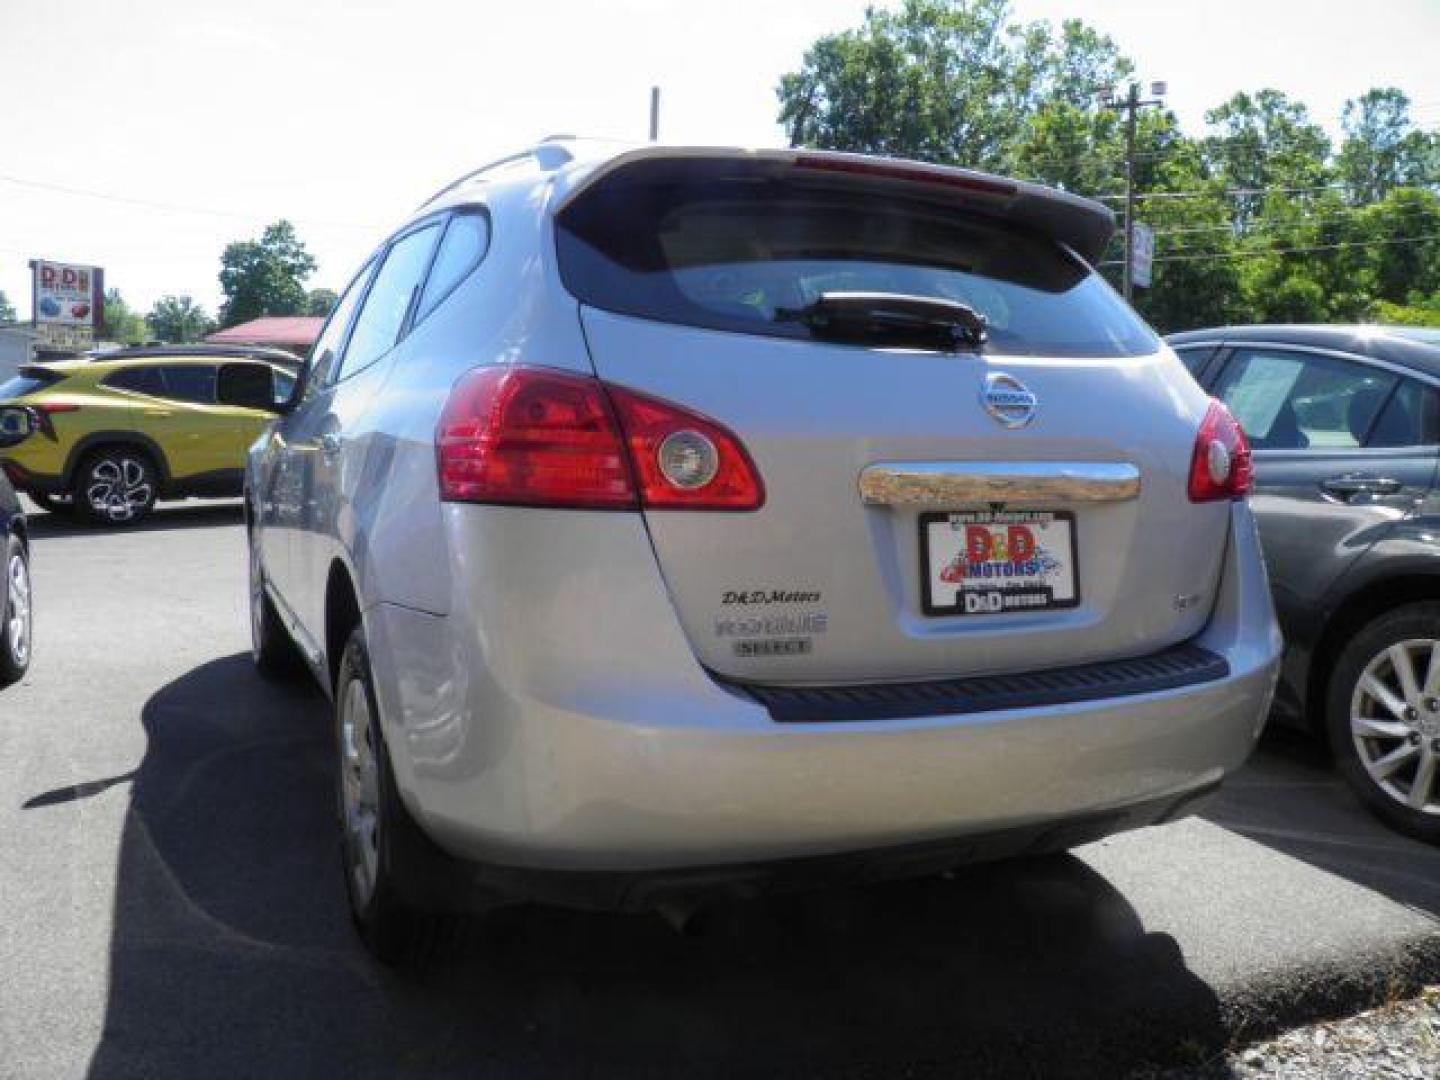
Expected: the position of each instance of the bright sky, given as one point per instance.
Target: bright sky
(342, 115)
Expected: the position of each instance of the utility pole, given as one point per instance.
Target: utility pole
(654, 113)
(1131, 104)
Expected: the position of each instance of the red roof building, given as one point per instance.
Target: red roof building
(294, 332)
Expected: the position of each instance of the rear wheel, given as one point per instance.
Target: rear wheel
(379, 839)
(1383, 718)
(16, 618)
(117, 485)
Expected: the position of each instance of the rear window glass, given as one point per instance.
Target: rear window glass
(28, 382)
(716, 245)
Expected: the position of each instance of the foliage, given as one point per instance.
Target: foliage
(319, 302)
(120, 323)
(265, 276)
(7, 309)
(1259, 218)
(179, 320)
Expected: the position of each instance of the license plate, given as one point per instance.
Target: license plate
(997, 562)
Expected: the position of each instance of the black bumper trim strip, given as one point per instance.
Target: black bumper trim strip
(1169, 669)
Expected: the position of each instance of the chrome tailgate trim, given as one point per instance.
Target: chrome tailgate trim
(951, 483)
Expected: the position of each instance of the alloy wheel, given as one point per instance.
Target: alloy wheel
(119, 488)
(360, 793)
(1395, 722)
(17, 622)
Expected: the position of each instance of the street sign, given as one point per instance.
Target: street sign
(1142, 254)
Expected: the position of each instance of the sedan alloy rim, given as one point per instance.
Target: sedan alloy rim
(119, 488)
(1395, 722)
(17, 624)
(359, 793)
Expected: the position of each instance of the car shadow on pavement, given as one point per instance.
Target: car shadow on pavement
(178, 515)
(232, 953)
(1291, 799)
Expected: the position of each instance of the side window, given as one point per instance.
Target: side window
(140, 380)
(1288, 400)
(1195, 357)
(332, 336)
(467, 237)
(193, 383)
(1410, 418)
(377, 327)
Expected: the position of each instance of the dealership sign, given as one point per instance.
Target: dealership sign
(66, 294)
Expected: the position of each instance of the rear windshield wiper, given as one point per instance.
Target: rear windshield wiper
(890, 318)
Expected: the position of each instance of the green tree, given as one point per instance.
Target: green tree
(265, 276)
(1383, 149)
(179, 320)
(1263, 141)
(950, 81)
(320, 301)
(7, 309)
(120, 322)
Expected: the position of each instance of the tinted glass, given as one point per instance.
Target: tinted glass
(1195, 358)
(466, 238)
(28, 382)
(194, 383)
(333, 334)
(713, 245)
(1410, 418)
(1293, 400)
(141, 380)
(378, 325)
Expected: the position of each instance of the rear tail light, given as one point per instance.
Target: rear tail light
(536, 437)
(1220, 468)
(529, 437)
(685, 461)
(49, 408)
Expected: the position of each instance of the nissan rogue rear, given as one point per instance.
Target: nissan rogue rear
(670, 521)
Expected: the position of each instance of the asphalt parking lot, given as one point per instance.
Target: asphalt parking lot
(170, 901)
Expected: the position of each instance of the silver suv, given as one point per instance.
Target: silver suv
(669, 521)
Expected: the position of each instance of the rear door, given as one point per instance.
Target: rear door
(1343, 448)
(928, 512)
(328, 440)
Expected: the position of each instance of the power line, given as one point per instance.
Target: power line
(1304, 219)
(1258, 253)
(1234, 193)
(87, 193)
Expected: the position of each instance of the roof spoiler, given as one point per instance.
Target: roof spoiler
(1081, 224)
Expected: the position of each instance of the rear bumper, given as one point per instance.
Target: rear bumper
(596, 744)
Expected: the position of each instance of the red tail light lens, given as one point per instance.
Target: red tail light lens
(685, 461)
(535, 437)
(49, 408)
(1220, 467)
(530, 437)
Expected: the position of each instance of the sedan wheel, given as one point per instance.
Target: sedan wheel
(1395, 722)
(1383, 717)
(16, 618)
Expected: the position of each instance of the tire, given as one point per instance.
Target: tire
(16, 614)
(54, 504)
(380, 842)
(271, 647)
(1386, 740)
(115, 486)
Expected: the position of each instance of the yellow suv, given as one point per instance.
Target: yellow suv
(108, 434)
